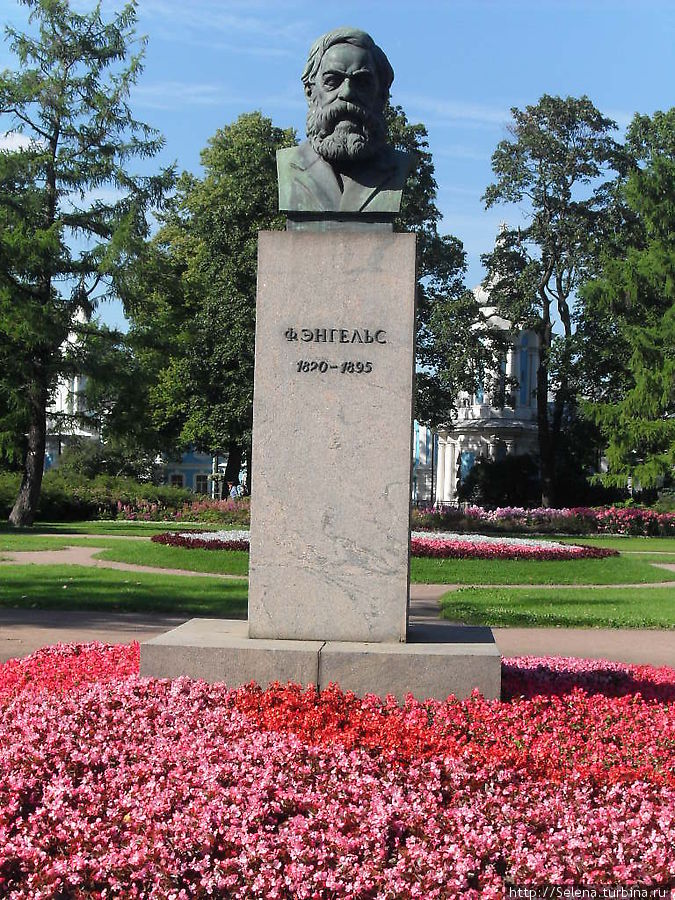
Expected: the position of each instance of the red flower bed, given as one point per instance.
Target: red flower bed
(440, 549)
(173, 539)
(468, 550)
(117, 786)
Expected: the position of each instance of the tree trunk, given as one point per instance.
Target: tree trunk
(235, 454)
(25, 507)
(545, 438)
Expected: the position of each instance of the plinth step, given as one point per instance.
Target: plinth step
(436, 661)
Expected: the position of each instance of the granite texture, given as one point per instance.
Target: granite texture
(330, 505)
(219, 650)
(437, 661)
(447, 662)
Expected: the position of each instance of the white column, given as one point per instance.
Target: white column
(440, 469)
(447, 480)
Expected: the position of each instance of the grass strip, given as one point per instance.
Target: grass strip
(30, 542)
(82, 588)
(617, 542)
(567, 608)
(616, 570)
(223, 562)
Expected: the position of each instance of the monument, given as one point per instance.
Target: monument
(332, 422)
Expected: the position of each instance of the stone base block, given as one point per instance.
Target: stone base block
(221, 650)
(436, 661)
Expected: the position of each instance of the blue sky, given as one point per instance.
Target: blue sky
(460, 66)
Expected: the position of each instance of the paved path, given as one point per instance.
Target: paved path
(85, 556)
(22, 631)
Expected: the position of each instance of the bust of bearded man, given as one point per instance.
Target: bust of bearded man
(345, 168)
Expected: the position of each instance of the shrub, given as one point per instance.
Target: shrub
(577, 520)
(71, 497)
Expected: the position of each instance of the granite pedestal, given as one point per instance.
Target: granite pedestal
(332, 427)
(435, 662)
(330, 508)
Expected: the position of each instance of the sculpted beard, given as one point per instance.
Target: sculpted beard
(343, 131)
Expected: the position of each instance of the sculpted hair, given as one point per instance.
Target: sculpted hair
(385, 73)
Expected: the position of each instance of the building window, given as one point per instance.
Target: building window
(176, 480)
(466, 463)
(202, 484)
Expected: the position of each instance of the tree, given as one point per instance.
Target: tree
(192, 301)
(195, 290)
(635, 292)
(118, 380)
(70, 214)
(553, 166)
(512, 481)
(453, 351)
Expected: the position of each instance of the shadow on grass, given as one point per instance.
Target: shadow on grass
(81, 588)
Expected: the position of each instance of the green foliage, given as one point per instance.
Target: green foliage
(192, 298)
(116, 394)
(635, 291)
(512, 481)
(452, 353)
(88, 458)
(71, 214)
(72, 497)
(553, 166)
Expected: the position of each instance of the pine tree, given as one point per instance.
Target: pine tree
(635, 291)
(71, 215)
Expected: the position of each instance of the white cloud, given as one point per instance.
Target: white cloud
(183, 94)
(246, 26)
(11, 141)
(451, 111)
(170, 94)
(461, 151)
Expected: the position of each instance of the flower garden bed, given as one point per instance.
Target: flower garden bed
(113, 785)
(440, 546)
(572, 520)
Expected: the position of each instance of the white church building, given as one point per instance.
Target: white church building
(488, 424)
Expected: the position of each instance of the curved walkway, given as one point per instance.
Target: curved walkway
(22, 631)
(86, 556)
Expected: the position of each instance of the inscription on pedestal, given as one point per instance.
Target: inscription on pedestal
(332, 436)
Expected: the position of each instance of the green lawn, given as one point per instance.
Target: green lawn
(631, 544)
(78, 587)
(613, 570)
(23, 542)
(567, 608)
(224, 562)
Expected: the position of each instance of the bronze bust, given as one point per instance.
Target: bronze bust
(345, 168)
